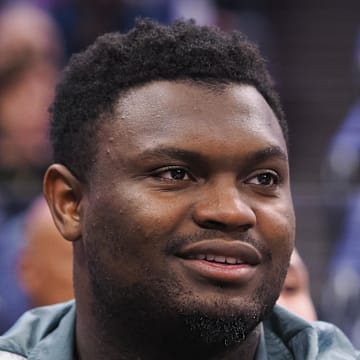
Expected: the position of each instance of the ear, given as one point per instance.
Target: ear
(64, 194)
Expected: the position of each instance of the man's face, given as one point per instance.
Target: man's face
(188, 207)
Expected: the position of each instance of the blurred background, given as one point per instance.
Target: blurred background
(313, 51)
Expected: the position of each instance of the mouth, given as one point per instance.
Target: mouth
(222, 261)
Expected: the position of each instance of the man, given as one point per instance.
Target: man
(45, 260)
(171, 179)
(30, 58)
(35, 263)
(295, 294)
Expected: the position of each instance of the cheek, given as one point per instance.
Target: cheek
(133, 224)
(277, 226)
(150, 213)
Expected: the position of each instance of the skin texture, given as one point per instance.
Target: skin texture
(295, 295)
(178, 165)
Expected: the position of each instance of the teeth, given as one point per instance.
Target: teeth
(218, 258)
(231, 260)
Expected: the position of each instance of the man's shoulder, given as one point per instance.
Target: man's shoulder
(288, 334)
(36, 329)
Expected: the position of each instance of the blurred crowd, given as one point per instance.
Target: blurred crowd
(342, 193)
(36, 39)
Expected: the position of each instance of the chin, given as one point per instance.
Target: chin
(216, 316)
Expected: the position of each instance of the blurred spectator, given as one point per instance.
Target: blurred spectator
(343, 287)
(30, 56)
(295, 295)
(342, 164)
(13, 300)
(36, 264)
(342, 185)
(45, 260)
(342, 173)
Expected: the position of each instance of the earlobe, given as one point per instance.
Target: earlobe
(63, 192)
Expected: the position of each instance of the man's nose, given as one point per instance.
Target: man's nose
(223, 207)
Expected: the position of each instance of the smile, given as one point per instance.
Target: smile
(227, 261)
(217, 259)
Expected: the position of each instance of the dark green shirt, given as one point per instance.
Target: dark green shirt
(47, 333)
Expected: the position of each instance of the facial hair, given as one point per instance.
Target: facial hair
(159, 312)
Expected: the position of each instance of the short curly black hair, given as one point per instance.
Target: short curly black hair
(95, 79)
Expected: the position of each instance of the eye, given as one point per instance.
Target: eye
(268, 178)
(176, 174)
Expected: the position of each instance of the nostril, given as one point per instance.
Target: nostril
(211, 224)
(217, 225)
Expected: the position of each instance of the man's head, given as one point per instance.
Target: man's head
(174, 188)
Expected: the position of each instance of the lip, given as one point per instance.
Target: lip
(221, 253)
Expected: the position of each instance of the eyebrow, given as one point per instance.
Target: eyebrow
(267, 153)
(172, 153)
(262, 155)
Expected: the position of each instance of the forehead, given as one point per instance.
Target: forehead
(226, 120)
